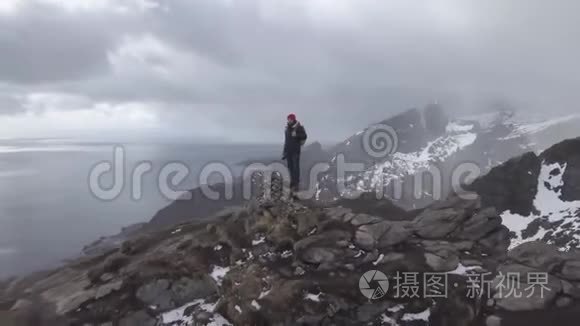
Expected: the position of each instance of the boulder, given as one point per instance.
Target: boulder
(348, 217)
(571, 270)
(444, 263)
(282, 235)
(436, 224)
(337, 212)
(480, 224)
(377, 230)
(327, 238)
(305, 223)
(515, 291)
(571, 289)
(319, 255)
(362, 219)
(114, 262)
(368, 312)
(165, 294)
(391, 257)
(157, 294)
(396, 233)
(497, 241)
(382, 234)
(186, 290)
(463, 245)
(140, 318)
(439, 247)
(107, 289)
(365, 239)
(537, 254)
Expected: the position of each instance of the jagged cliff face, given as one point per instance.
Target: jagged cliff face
(538, 195)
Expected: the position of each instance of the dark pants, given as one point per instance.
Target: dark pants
(293, 161)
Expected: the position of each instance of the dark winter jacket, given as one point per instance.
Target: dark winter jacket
(295, 138)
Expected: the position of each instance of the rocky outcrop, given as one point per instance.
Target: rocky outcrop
(511, 186)
(280, 262)
(567, 153)
(537, 195)
(248, 265)
(538, 278)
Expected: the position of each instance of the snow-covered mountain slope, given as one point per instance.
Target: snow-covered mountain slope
(456, 138)
(431, 145)
(539, 195)
(530, 129)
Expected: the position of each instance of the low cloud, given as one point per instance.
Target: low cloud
(234, 69)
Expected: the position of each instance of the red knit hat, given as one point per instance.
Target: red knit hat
(292, 116)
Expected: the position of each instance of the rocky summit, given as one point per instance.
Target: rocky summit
(503, 252)
(284, 263)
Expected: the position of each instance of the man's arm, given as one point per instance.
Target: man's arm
(301, 134)
(285, 150)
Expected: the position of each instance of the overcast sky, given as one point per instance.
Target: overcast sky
(232, 70)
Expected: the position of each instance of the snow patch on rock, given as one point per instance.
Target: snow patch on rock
(264, 294)
(464, 270)
(386, 320)
(555, 215)
(424, 316)
(218, 273)
(376, 262)
(456, 127)
(258, 241)
(256, 305)
(313, 297)
(396, 308)
(178, 316)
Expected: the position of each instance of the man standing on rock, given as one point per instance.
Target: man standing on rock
(295, 138)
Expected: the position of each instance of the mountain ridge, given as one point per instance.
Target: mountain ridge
(485, 140)
(247, 265)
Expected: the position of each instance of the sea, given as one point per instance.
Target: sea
(50, 207)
